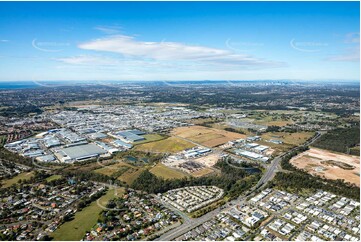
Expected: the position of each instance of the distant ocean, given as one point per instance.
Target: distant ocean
(17, 85)
(30, 84)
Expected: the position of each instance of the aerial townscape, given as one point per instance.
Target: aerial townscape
(156, 145)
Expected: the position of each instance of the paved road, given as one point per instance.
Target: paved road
(267, 176)
(275, 164)
(185, 227)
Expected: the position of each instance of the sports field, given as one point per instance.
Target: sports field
(210, 137)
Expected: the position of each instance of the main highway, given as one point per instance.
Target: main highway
(267, 176)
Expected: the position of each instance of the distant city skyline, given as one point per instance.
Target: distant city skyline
(142, 41)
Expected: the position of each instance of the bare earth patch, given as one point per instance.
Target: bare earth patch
(209, 160)
(329, 165)
(202, 172)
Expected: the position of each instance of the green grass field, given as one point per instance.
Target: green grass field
(14, 180)
(130, 175)
(169, 145)
(165, 172)
(84, 220)
(110, 170)
(150, 138)
(128, 172)
(289, 138)
(53, 178)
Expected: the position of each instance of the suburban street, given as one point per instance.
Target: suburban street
(267, 176)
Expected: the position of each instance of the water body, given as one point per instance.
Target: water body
(131, 158)
(17, 85)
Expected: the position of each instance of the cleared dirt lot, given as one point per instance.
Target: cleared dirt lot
(206, 136)
(323, 163)
(208, 160)
(205, 171)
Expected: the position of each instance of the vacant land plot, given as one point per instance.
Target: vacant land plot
(16, 179)
(203, 172)
(329, 164)
(167, 172)
(150, 138)
(85, 219)
(123, 171)
(270, 120)
(210, 137)
(288, 138)
(110, 170)
(169, 145)
(208, 160)
(200, 121)
(130, 175)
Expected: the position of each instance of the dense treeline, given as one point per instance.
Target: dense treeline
(20, 111)
(234, 130)
(90, 176)
(139, 156)
(273, 128)
(302, 180)
(298, 180)
(86, 200)
(13, 157)
(233, 181)
(340, 140)
(285, 160)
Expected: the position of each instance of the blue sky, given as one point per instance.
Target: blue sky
(179, 41)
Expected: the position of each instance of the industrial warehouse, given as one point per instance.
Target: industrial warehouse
(64, 145)
(129, 136)
(79, 153)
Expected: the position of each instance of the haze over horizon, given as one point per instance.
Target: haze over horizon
(123, 41)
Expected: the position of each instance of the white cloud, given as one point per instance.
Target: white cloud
(87, 60)
(352, 38)
(108, 29)
(128, 47)
(4, 40)
(351, 54)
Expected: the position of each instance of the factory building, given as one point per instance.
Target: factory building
(79, 153)
(119, 143)
(129, 136)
